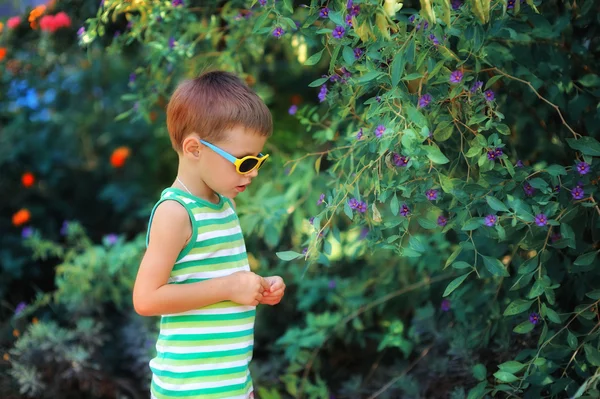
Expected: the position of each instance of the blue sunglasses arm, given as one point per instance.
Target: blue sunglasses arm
(219, 151)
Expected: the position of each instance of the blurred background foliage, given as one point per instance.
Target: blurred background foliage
(84, 154)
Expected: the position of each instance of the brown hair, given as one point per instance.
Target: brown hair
(210, 104)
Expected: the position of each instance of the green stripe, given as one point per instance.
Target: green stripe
(208, 393)
(221, 226)
(218, 246)
(193, 266)
(169, 359)
(223, 335)
(212, 261)
(213, 223)
(202, 318)
(200, 373)
(219, 240)
(202, 376)
(206, 342)
(207, 323)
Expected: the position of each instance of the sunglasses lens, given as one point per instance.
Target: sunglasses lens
(248, 165)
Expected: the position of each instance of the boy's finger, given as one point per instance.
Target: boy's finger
(265, 284)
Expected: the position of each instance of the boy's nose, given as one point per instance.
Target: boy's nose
(253, 174)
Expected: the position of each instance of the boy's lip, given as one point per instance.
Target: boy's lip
(241, 188)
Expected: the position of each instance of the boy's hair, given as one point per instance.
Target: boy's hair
(210, 104)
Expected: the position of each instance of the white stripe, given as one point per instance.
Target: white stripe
(213, 274)
(219, 233)
(209, 216)
(199, 385)
(228, 310)
(199, 367)
(206, 330)
(216, 254)
(205, 348)
(184, 199)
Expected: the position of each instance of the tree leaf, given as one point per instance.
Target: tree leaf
(288, 255)
(524, 327)
(313, 59)
(435, 154)
(394, 205)
(454, 284)
(592, 355)
(587, 145)
(397, 68)
(511, 366)
(517, 306)
(496, 204)
(348, 55)
(556, 170)
(453, 255)
(494, 266)
(478, 391)
(505, 377)
(479, 372)
(472, 224)
(585, 259)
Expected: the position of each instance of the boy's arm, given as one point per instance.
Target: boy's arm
(152, 295)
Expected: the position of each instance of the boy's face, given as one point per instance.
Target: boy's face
(219, 173)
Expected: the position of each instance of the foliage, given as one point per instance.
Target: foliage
(450, 227)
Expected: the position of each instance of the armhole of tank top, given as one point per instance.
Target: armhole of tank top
(193, 226)
(228, 200)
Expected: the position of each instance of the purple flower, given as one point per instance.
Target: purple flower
(117, 34)
(323, 93)
(541, 220)
(498, 152)
(425, 25)
(364, 232)
(81, 31)
(354, 10)
(331, 284)
(577, 193)
(27, 232)
(434, 40)
(378, 99)
(293, 109)
(361, 207)
(321, 199)
(510, 4)
(456, 76)
(176, 3)
(445, 305)
(476, 86)
(534, 318)
(583, 168)
(353, 203)
(529, 190)
(304, 251)
(334, 78)
(349, 4)
(324, 12)
(278, 32)
(111, 239)
(519, 164)
(349, 20)
(359, 134)
(400, 160)
(491, 155)
(379, 131)
(442, 220)
(171, 42)
(262, 2)
(339, 32)
(64, 228)
(358, 52)
(424, 100)
(490, 220)
(311, 220)
(431, 195)
(556, 188)
(456, 4)
(489, 95)
(412, 18)
(132, 77)
(20, 307)
(404, 211)
(555, 237)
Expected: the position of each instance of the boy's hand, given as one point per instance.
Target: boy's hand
(274, 294)
(247, 288)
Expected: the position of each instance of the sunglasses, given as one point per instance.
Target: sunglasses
(242, 165)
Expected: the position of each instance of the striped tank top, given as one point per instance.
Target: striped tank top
(205, 353)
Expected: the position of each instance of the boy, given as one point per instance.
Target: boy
(195, 271)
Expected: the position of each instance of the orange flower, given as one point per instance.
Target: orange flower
(2, 53)
(28, 179)
(35, 14)
(119, 156)
(35, 320)
(6, 357)
(21, 217)
(1, 27)
(16, 333)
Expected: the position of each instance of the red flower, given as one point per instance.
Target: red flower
(21, 217)
(13, 22)
(51, 23)
(119, 156)
(2, 53)
(28, 179)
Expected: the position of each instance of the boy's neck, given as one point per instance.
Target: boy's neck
(195, 187)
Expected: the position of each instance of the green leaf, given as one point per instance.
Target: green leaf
(443, 131)
(590, 80)
(529, 265)
(426, 223)
(585, 259)
(397, 68)
(593, 294)
(394, 205)
(348, 55)
(552, 315)
(492, 80)
(494, 266)
(587, 145)
(318, 82)
(592, 355)
(454, 284)
(472, 224)
(367, 77)
(478, 391)
(461, 265)
(435, 154)
(505, 377)
(496, 204)
(536, 290)
(517, 306)
(313, 59)
(556, 170)
(348, 211)
(288, 5)
(453, 255)
(503, 129)
(288, 255)
(572, 340)
(524, 327)
(479, 372)
(511, 366)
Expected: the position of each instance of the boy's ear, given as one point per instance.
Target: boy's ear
(191, 145)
